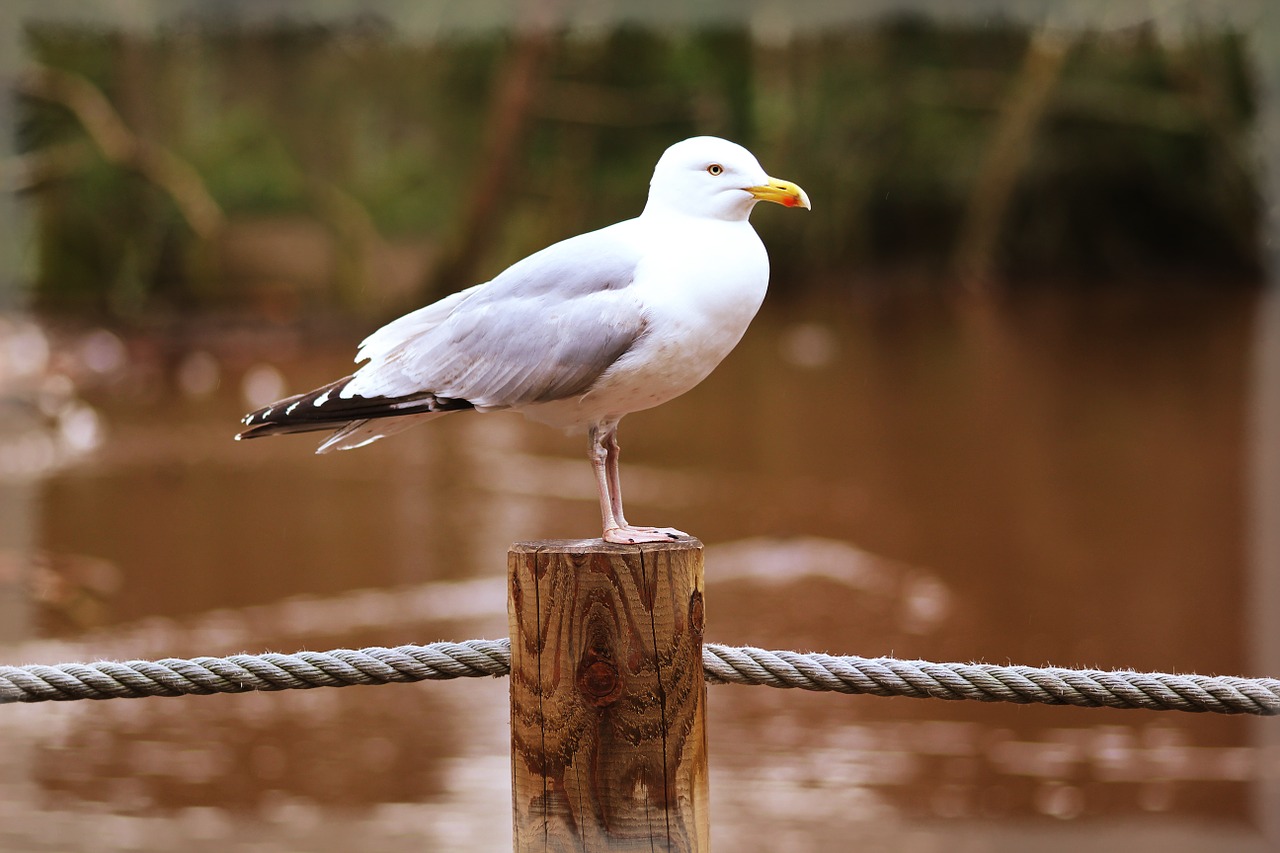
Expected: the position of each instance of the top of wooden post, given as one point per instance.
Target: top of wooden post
(599, 546)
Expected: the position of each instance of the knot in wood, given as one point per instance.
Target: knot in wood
(696, 613)
(599, 681)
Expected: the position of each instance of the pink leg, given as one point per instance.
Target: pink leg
(604, 459)
(613, 478)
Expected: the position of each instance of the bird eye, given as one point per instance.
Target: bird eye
(715, 169)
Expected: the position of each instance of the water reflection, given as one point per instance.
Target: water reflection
(44, 424)
(1052, 481)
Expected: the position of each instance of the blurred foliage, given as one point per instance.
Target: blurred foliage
(1137, 165)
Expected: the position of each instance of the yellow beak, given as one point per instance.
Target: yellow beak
(781, 192)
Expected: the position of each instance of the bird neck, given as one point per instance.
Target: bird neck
(725, 207)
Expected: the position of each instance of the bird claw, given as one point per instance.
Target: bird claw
(632, 535)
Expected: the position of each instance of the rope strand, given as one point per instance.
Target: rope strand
(722, 664)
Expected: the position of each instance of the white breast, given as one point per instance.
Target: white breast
(699, 290)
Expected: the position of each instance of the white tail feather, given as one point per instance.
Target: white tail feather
(359, 433)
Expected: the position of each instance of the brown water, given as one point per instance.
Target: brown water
(1056, 481)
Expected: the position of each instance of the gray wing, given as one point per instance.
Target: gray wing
(545, 329)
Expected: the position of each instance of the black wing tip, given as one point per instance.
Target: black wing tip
(260, 431)
(255, 432)
(265, 430)
(325, 408)
(281, 411)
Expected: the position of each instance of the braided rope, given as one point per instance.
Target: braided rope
(722, 665)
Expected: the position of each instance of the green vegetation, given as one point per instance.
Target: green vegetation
(1124, 156)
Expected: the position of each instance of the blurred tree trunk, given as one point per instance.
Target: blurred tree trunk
(1006, 155)
(518, 86)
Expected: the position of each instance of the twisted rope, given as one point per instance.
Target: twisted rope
(243, 673)
(722, 664)
(1085, 688)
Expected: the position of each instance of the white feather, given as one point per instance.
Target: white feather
(360, 433)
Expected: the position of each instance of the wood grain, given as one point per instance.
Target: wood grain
(608, 703)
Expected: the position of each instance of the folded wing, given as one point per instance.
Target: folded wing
(547, 328)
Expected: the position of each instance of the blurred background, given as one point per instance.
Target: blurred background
(1014, 397)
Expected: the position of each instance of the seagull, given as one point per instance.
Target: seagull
(578, 334)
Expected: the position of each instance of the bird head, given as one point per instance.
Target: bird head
(714, 178)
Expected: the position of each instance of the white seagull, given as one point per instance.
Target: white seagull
(579, 334)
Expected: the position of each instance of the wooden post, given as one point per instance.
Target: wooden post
(608, 702)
